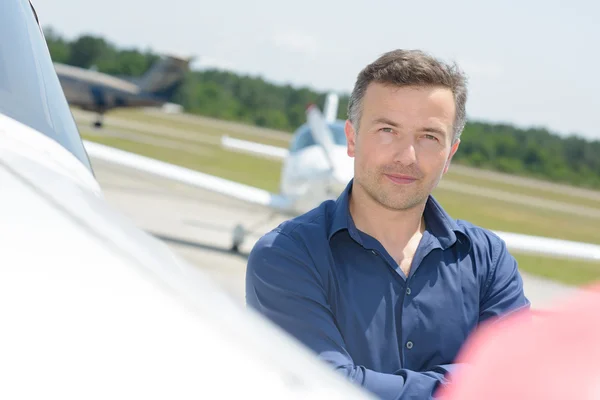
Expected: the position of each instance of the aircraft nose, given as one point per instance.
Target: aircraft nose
(342, 176)
(342, 173)
(345, 171)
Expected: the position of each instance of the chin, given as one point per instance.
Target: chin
(400, 202)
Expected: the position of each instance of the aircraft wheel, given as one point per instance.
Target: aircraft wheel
(238, 237)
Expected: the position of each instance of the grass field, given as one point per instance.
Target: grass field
(505, 216)
(563, 196)
(202, 126)
(194, 143)
(244, 168)
(563, 271)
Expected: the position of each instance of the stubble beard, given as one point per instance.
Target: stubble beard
(393, 197)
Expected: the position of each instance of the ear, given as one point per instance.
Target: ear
(350, 137)
(452, 152)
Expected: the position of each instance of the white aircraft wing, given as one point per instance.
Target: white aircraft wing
(190, 177)
(91, 306)
(265, 150)
(550, 247)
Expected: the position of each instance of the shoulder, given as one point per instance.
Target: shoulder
(305, 230)
(290, 255)
(485, 245)
(494, 264)
(303, 236)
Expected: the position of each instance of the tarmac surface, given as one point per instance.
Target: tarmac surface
(197, 224)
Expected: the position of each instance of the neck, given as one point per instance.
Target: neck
(394, 227)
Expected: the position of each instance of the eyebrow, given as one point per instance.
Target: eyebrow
(383, 120)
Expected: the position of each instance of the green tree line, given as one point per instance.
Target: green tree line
(226, 95)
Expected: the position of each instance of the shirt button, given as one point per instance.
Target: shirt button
(408, 290)
(409, 345)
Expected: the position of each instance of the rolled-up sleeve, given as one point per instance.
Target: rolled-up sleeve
(283, 284)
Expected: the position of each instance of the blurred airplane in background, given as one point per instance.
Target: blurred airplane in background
(315, 168)
(94, 91)
(93, 306)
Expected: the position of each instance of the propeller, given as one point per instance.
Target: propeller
(331, 107)
(324, 138)
(321, 133)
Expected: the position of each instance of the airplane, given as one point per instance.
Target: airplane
(315, 168)
(94, 91)
(93, 306)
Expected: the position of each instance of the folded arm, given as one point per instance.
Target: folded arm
(283, 284)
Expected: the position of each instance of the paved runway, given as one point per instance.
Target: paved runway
(197, 224)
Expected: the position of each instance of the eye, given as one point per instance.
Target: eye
(430, 137)
(386, 130)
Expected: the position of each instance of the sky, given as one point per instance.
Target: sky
(529, 63)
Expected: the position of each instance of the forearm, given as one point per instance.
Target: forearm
(402, 384)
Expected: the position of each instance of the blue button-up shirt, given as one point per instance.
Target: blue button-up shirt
(338, 291)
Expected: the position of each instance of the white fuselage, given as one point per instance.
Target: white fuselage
(93, 306)
(307, 178)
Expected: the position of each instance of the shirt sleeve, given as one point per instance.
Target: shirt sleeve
(283, 284)
(503, 292)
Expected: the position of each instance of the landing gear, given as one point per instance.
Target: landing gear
(237, 238)
(239, 233)
(98, 123)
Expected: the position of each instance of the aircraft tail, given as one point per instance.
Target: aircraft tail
(165, 76)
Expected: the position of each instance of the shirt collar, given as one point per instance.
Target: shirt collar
(439, 224)
(341, 215)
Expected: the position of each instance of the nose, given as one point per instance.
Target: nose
(405, 152)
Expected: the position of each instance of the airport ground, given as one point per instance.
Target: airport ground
(198, 223)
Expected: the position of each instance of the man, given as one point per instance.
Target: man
(382, 283)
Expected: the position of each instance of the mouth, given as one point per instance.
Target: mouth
(401, 179)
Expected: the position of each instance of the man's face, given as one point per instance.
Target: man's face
(403, 145)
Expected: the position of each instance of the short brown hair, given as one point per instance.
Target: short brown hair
(411, 67)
